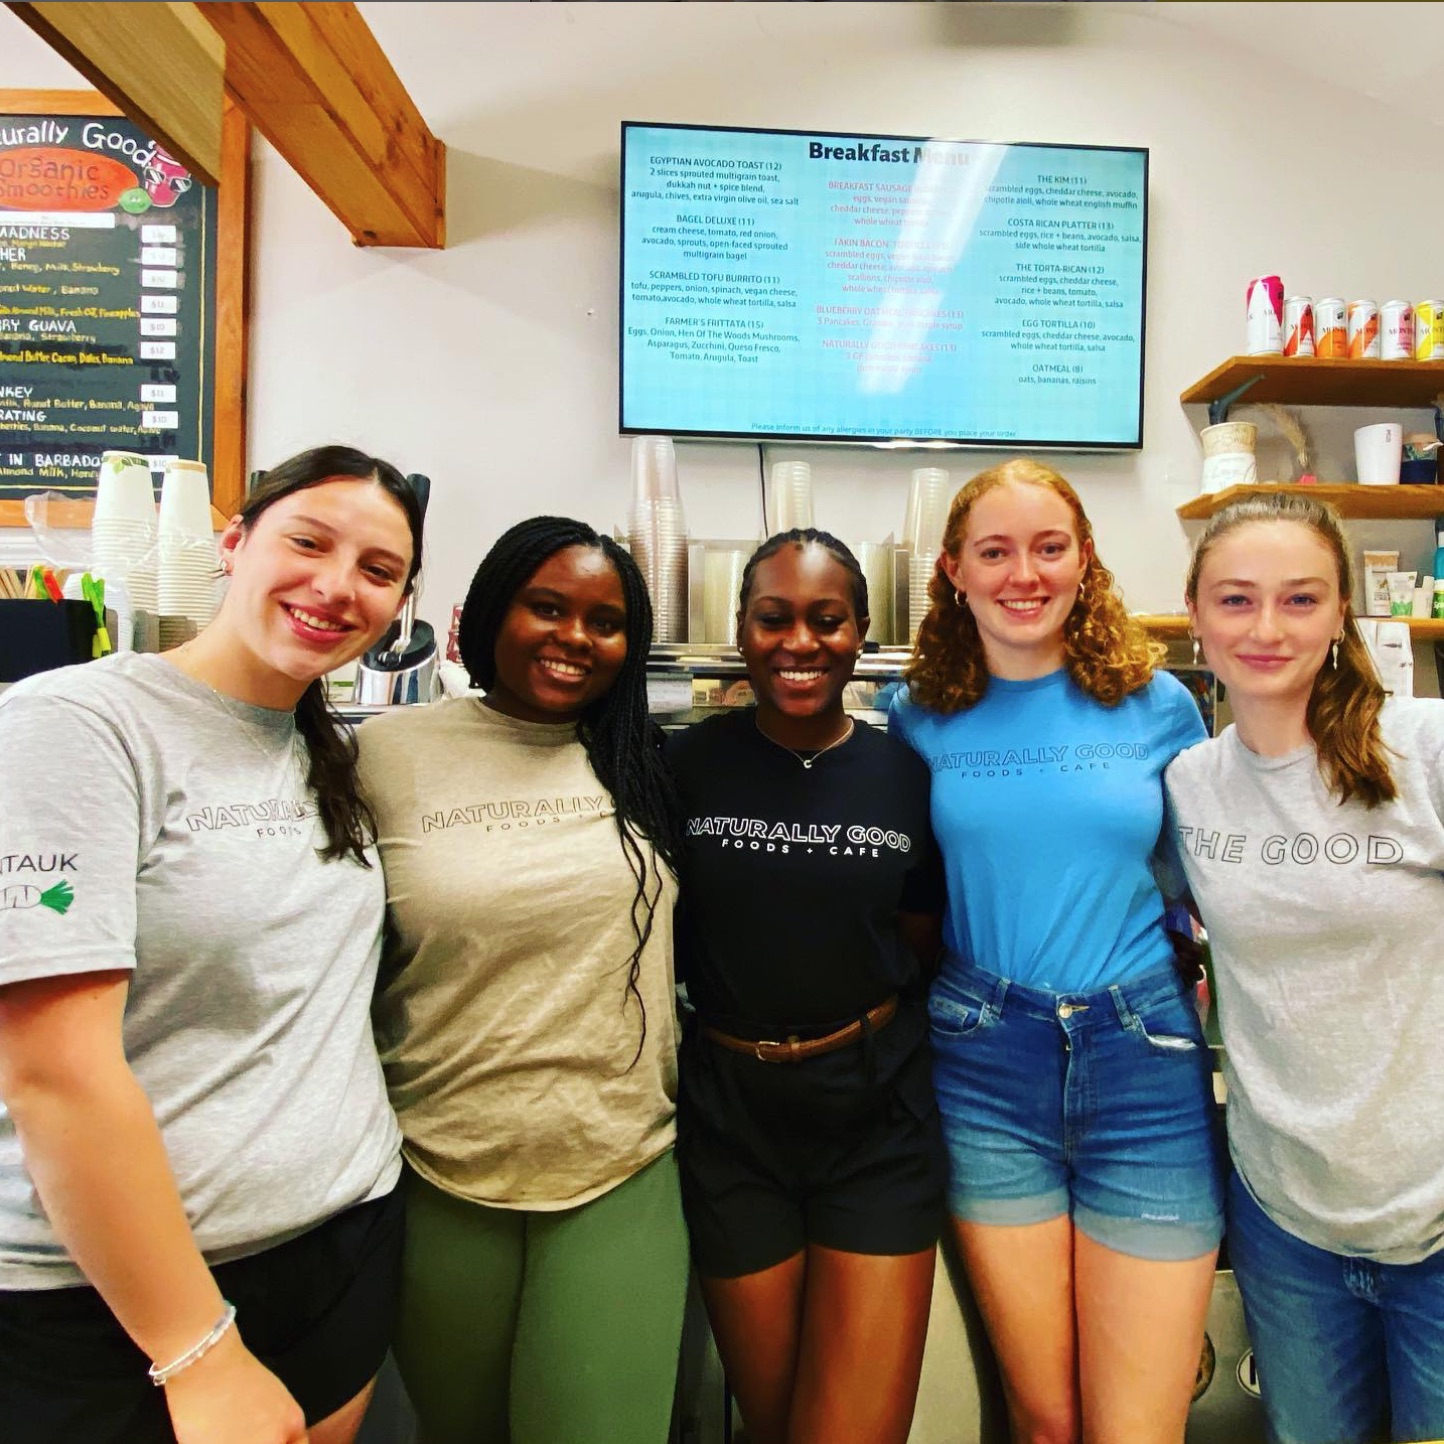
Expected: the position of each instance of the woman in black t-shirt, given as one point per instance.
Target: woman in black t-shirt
(812, 1161)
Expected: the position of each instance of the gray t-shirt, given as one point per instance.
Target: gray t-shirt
(149, 824)
(1326, 924)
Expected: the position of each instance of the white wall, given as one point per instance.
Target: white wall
(492, 365)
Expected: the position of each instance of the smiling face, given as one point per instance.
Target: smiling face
(1267, 608)
(316, 579)
(800, 637)
(1018, 566)
(563, 639)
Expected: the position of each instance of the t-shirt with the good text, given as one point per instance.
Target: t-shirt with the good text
(1326, 924)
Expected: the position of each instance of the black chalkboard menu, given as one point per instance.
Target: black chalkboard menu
(107, 302)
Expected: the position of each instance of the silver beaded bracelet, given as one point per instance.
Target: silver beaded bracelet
(162, 1374)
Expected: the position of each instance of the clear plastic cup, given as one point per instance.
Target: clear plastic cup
(654, 469)
(929, 498)
(789, 497)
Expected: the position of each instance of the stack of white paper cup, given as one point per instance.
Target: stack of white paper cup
(189, 561)
(789, 499)
(657, 534)
(123, 527)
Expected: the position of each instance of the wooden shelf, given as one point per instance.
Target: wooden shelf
(1167, 627)
(1171, 627)
(1388, 503)
(1310, 381)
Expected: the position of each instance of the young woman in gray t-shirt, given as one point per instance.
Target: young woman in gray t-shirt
(1312, 832)
(196, 1153)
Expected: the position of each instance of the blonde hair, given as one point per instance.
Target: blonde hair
(1342, 715)
(1106, 653)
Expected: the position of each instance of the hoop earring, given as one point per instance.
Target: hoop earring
(959, 600)
(1197, 650)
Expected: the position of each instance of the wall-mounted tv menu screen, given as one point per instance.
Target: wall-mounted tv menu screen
(801, 286)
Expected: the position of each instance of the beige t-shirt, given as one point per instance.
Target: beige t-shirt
(503, 1017)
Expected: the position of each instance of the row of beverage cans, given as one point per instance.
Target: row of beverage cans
(1359, 330)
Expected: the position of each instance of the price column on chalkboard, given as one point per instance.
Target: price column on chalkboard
(107, 302)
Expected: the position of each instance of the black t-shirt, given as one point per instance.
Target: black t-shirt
(792, 877)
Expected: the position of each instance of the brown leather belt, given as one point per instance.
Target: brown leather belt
(794, 1049)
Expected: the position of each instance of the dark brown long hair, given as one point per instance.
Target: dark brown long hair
(347, 818)
(1342, 716)
(1106, 653)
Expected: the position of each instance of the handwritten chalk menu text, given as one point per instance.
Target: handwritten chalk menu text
(107, 302)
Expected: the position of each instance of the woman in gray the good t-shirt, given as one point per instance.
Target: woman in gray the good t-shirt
(192, 1114)
(1312, 832)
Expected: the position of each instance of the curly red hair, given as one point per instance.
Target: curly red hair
(1106, 653)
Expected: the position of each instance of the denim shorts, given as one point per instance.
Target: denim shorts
(1097, 1105)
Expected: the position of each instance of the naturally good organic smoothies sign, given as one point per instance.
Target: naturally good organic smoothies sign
(107, 301)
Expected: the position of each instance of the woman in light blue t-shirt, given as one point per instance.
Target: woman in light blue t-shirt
(1070, 1067)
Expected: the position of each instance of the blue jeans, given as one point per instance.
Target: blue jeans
(1097, 1105)
(1348, 1351)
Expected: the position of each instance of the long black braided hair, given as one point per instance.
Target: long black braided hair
(801, 536)
(623, 744)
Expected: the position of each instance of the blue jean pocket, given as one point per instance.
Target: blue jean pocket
(956, 1017)
(1172, 1026)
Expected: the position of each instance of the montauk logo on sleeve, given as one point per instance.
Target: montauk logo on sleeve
(755, 834)
(57, 896)
(516, 812)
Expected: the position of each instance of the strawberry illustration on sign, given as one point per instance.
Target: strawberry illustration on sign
(24, 895)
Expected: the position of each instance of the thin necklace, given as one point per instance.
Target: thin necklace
(808, 761)
(245, 725)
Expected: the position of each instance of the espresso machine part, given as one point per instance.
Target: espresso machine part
(401, 667)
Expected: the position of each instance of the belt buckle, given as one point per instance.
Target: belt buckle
(761, 1043)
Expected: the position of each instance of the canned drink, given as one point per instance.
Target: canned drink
(1331, 327)
(1265, 298)
(1429, 331)
(1299, 326)
(1363, 330)
(1396, 331)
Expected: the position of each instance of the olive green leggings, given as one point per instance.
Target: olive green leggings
(544, 1328)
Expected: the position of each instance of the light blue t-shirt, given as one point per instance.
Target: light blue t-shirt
(1048, 807)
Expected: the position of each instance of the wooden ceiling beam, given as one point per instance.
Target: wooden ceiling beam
(314, 81)
(160, 63)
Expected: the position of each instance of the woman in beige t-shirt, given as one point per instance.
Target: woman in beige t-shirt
(525, 1010)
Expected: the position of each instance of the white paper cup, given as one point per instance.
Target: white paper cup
(1377, 453)
(1228, 437)
(123, 489)
(185, 500)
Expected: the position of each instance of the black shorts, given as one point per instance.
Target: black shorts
(844, 1150)
(317, 1310)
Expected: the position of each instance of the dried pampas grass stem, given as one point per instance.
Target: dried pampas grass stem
(1288, 424)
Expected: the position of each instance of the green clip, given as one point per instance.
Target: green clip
(93, 590)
